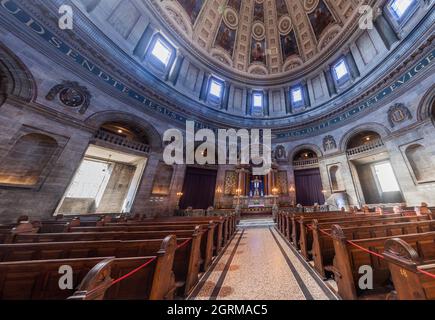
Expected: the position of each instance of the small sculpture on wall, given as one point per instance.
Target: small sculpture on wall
(398, 113)
(71, 94)
(329, 143)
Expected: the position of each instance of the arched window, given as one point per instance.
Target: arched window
(26, 161)
(421, 162)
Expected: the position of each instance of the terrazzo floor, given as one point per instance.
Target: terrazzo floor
(258, 264)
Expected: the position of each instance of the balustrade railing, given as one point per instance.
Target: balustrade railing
(306, 162)
(370, 146)
(120, 141)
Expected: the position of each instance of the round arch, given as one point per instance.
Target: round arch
(316, 149)
(98, 119)
(426, 107)
(15, 78)
(375, 127)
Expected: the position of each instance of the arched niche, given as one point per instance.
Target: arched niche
(28, 160)
(432, 114)
(335, 178)
(15, 78)
(310, 148)
(126, 130)
(426, 108)
(421, 163)
(304, 154)
(162, 180)
(377, 129)
(134, 125)
(362, 138)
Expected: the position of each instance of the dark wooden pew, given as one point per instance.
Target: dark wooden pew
(229, 223)
(310, 232)
(186, 261)
(199, 232)
(39, 280)
(349, 258)
(207, 238)
(323, 245)
(406, 264)
(295, 229)
(304, 236)
(218, 232)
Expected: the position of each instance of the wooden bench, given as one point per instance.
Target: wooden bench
(304, 236)
(39, 280)
(186, 261)
(406, 263)
(310, 232)
(229, 223)
(295, 220)
(219, 233)
(349, 258)
(207, 238)
(323, 245)
(199, 232)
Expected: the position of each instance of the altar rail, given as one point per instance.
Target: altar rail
(120, 141)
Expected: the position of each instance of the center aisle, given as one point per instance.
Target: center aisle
(259, 264)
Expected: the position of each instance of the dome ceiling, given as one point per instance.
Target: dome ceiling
(260, 37)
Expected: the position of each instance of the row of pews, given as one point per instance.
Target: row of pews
(399, 247)
(109, 258)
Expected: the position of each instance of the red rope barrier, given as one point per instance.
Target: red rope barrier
(369, 251)
(426, 273)
(128, 275)
(366, 250)
(124, 276)
(181, 245)
(133, 271)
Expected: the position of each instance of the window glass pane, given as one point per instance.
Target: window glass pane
(216, 89)
(161, 52)
(297, 95)
(340, 70)
(400, 6)
(386, 177)
(258, 100)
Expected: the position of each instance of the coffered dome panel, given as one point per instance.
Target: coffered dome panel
(274, 36)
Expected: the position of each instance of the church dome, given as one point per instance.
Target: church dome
(297, 67)
(261, 39)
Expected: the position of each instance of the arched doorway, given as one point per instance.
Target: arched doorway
(372, 169)
(308, 183)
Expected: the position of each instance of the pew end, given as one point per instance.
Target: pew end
(405, 264)
(96, 282)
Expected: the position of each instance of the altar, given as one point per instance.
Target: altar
(255, 194)
(254, 202)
